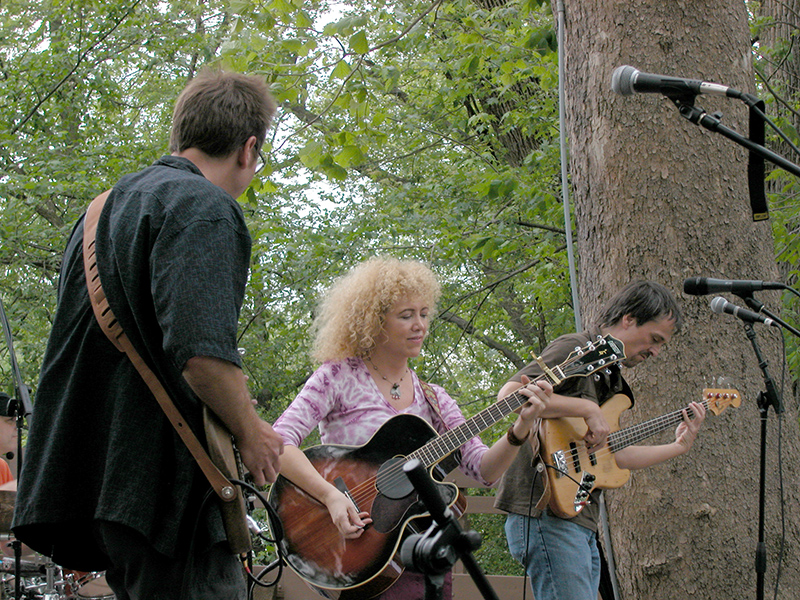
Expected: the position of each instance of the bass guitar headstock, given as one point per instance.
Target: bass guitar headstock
(718, 400)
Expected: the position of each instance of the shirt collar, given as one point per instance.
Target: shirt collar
(178, 162)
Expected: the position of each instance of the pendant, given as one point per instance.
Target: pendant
(395, 391)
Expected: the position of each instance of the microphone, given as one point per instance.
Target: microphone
(720, 305)
(700, 286)
(626, 80)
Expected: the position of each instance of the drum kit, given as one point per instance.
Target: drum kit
(27, 575)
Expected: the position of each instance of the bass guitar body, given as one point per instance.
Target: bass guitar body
(372, 477)
(572, 472)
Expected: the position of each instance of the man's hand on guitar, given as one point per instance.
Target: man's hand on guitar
(598, 430)
(350, 523)
(260, 450)
(686, 432)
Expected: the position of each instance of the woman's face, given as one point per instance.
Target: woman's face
(8, 435)
(405, 327)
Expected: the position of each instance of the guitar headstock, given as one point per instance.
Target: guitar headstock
(595, 355)
(718, 400)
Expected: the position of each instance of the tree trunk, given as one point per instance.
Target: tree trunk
(659, 198)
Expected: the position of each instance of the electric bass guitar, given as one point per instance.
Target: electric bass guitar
(373, 479)
(573, 473)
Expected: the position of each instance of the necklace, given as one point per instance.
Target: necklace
(394, 392)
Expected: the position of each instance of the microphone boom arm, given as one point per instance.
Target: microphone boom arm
(699, 116)
(759, 307)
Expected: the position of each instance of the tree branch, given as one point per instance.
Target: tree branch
(468, 328)
(72, 71)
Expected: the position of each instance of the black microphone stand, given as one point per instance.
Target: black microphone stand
(434, 552)
(759, 307)
(21, 407)
(698, 116)
(768, 397)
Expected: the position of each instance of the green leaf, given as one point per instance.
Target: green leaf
(359, 43)
(349, 156)
(341, 70)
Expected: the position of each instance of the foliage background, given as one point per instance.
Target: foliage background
(418, 129)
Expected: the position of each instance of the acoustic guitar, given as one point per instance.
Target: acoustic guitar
(573, 473)
(372, 477)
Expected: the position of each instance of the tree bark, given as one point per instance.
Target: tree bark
(659, 198)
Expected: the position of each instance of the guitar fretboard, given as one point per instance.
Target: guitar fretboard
(601, 354)
(632, 435)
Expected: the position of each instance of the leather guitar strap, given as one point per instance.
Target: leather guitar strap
(454, 459)
(113, 330)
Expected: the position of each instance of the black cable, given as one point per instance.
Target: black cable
(528, 536)
(277, 531)
(780, 472)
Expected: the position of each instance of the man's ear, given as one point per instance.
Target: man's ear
(247, 152)
(628, 321)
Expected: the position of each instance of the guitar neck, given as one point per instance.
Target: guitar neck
(438, 448)
(629, 436)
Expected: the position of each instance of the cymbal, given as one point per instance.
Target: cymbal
(7, 499)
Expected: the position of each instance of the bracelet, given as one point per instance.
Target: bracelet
(513, 439)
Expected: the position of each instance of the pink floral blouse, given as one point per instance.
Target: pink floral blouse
(341, 398)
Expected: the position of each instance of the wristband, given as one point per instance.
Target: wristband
(513, 439)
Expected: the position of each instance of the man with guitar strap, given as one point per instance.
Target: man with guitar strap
(559, 551)
(107, 484)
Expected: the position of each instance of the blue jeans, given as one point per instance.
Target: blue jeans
(562, 559)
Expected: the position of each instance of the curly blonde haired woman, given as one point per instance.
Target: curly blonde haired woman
(370, 323)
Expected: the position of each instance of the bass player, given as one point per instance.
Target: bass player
(561, 556)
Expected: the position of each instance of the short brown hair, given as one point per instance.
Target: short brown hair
(644, 301)
(218, 111)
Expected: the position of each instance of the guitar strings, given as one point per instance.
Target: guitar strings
(453, 439)
(617, 441)
(621, 439)
(440, 446)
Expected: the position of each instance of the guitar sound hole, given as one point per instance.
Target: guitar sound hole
(392, 481)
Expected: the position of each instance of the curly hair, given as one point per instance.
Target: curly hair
(351, 315)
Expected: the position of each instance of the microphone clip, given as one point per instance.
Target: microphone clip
(695, 114)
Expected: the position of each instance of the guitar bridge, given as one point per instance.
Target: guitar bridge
(559, 462)
(342, 487)
(584, 489)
